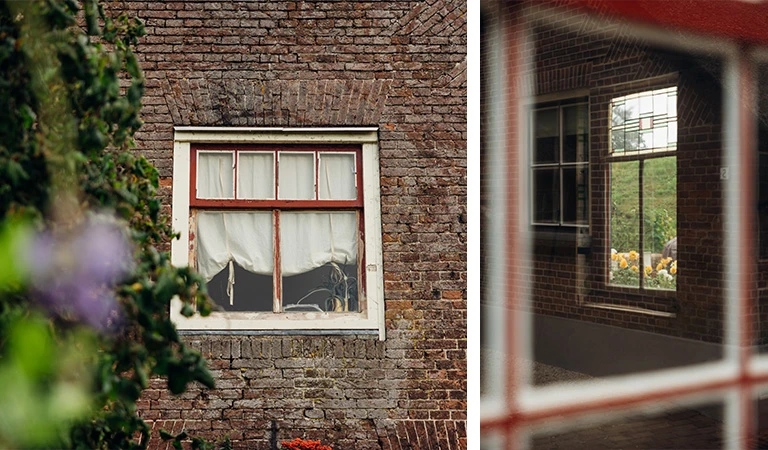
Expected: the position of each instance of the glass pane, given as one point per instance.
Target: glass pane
(646, 105)
(672, 104)
(653, 127)
(296, 178)
(660, 223)
(645, 140)
(672, 133)
(575, 134)
(256, 176)
(576, 195)
(625, 224)
(660, 103)
(761, 204)
(632, 142)
(215, 175)
(693, 427)
(617, 113)
(251, 292)
(547, 136)
(331, 287)
(632, 109)
(546, 196)
(618, 140)
(336, 177)
(318, 257)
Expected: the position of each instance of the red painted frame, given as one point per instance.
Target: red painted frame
(276, 206)
(271, 204)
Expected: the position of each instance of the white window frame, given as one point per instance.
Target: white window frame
(562, 103)
(372, 318)
(641, 156)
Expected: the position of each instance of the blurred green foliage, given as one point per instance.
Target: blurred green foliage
(71, 99)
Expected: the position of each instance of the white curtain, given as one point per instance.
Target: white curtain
(256, 176)
(242, 237)
(296, 178)
(215, 175)
(336, 177)
(309, 240)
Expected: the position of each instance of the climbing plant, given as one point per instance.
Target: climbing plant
(85, 277)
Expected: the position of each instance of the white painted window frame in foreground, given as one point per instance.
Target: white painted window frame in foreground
(372, 318)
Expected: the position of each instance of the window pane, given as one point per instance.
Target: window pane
(336, 177)
(660, 223)
(699, 426)
(251, 292)
(235, 255)
(632, 109)
(256, 176)
(575, 195)
(618, 141)
(547, 136)
(546, 195)
(296, 178)
(332, 287)
(575, 134)
(625, 224)
(318, 256)
(617, 114)
(644, 121)
(215, 175)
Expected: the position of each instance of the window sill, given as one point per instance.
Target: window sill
(361, 332)
(268, 322)
(638, 294)
(630, 309)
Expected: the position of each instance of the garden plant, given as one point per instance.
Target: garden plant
(85, 277)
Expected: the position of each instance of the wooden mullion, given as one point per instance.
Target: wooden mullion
(277, 273)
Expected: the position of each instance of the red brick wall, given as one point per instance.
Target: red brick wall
(400, 66)
(569, 55)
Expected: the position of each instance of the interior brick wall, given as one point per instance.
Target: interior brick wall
(400, 66)
(572, 53)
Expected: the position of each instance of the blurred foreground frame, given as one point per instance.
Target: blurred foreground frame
(574, 197)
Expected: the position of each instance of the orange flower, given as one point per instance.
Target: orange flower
(659, 267)
(634, 268)
(623, 263)
(633, 255)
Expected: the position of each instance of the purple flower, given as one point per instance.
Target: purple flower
(74, 275)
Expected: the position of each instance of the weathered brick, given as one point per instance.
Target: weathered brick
(398, 66)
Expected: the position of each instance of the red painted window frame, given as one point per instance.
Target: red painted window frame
(276, 205)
